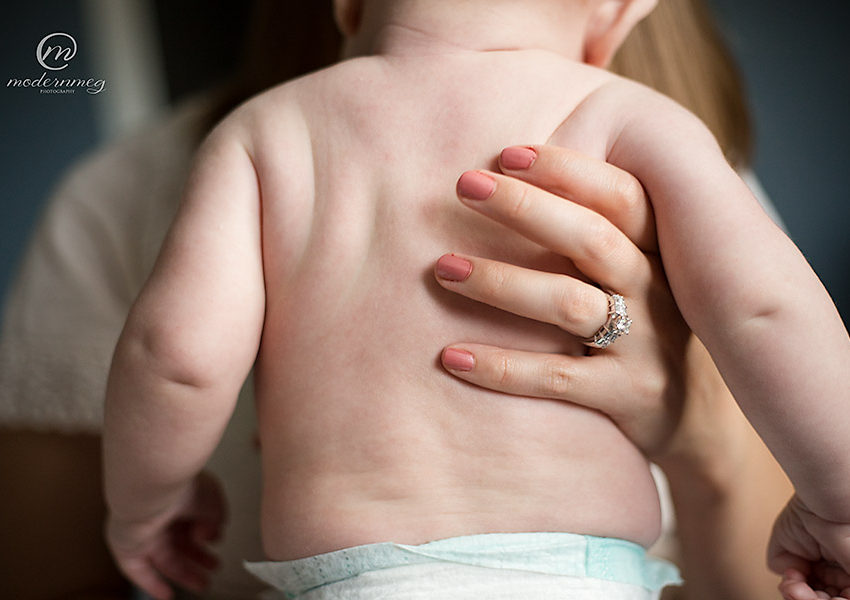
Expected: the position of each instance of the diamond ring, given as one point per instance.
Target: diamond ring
(618, 324)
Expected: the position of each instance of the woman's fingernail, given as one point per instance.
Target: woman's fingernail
(475, 185)
(458, 360)
(518, 158)
(453, 268)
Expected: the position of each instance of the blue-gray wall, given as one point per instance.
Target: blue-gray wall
(794, 55)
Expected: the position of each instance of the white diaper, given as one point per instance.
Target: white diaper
(536, 566)
(447, 581)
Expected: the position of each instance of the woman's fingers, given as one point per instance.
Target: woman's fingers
(593, 382)
(597, 248)
(574, 306)
(603, 188)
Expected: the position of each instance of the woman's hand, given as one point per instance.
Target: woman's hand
(658, 384)
(606, 229)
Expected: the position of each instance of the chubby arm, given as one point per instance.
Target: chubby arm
(188, 344)
(748, 293)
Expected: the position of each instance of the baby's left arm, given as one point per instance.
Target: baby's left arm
(188, 344)
(747, 292)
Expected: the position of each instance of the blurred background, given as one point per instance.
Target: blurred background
(795, 58)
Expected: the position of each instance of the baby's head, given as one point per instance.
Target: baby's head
(588, 30)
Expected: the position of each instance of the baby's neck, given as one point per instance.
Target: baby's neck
(424, 27)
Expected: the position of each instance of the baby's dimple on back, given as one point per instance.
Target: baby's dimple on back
(361, 428)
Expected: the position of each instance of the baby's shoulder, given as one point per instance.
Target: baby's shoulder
(286, 115)
(273, 129)
(618, 108)
(272, 114)
(629, 99)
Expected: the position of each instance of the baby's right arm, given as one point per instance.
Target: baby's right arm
(189, 342)
(745, 290)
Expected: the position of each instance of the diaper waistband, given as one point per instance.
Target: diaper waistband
(566, 554)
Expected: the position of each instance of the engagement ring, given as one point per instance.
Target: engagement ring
(618, 324)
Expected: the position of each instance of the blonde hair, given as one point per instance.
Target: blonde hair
(678, 51)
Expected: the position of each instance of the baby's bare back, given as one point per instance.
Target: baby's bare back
(365, 438)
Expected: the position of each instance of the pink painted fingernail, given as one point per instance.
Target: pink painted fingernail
(453, 268)
(518, 158)
(458, 360)
(475, 185)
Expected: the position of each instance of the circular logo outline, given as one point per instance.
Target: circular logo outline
(39, 53)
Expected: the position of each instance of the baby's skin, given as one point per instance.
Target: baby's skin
(306, 242)
(316, 225)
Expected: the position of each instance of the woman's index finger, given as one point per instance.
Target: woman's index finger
(603, 188)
